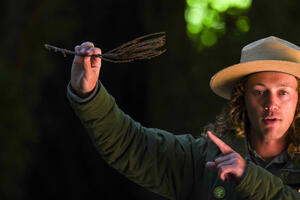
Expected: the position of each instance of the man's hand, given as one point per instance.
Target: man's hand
(231, 165)
(85, 70)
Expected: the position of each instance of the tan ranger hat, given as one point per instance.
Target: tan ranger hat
(268, 54)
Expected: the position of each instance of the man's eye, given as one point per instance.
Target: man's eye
(283, 92)
(259, 92)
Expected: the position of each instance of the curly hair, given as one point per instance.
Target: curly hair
(234, 119)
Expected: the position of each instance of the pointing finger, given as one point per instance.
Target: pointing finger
(224, 148)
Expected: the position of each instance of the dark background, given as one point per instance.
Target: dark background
(44, 151)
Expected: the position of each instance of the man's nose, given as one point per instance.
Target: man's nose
(271, 102)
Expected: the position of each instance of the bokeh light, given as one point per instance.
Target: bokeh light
(205, 19)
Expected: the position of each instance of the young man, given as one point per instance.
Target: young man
(256, 155)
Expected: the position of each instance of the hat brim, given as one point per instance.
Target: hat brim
(223, 81)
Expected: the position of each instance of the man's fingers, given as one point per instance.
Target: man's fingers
(86, 46)
(211, 165)
(91, 61)
(225, 149)
(225, 172)
(82, 49)
(85, 69)
(231, 165)
(228, 156)
(226, 163)
(78, 59)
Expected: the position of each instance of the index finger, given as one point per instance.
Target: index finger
(225, 149)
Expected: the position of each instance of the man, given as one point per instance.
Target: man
(256, 155)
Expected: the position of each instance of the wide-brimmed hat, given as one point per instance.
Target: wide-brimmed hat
(267, 54)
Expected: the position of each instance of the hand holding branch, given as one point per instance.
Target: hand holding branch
(85, 70)
(87, 61)
(231, 165)
(144, 47)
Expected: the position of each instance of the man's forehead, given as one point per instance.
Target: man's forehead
(274, 78)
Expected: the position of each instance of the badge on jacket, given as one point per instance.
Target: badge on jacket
(219, 192)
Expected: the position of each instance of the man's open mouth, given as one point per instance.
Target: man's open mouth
(270, 120)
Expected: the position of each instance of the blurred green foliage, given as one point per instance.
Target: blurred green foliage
(205, 19)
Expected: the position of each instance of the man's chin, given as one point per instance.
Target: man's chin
(272, 134)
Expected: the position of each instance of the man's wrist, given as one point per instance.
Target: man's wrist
(82, 98)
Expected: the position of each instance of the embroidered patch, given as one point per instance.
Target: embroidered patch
(219, 192)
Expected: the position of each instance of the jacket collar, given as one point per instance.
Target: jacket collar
(240, 145)
(296, 161)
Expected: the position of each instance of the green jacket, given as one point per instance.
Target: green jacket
(174, 165)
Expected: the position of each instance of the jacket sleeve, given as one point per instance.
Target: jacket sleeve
(258, 183)
(155, 159)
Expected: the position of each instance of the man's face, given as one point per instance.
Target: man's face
(271, 99)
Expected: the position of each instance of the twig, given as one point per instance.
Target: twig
(144, 47)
